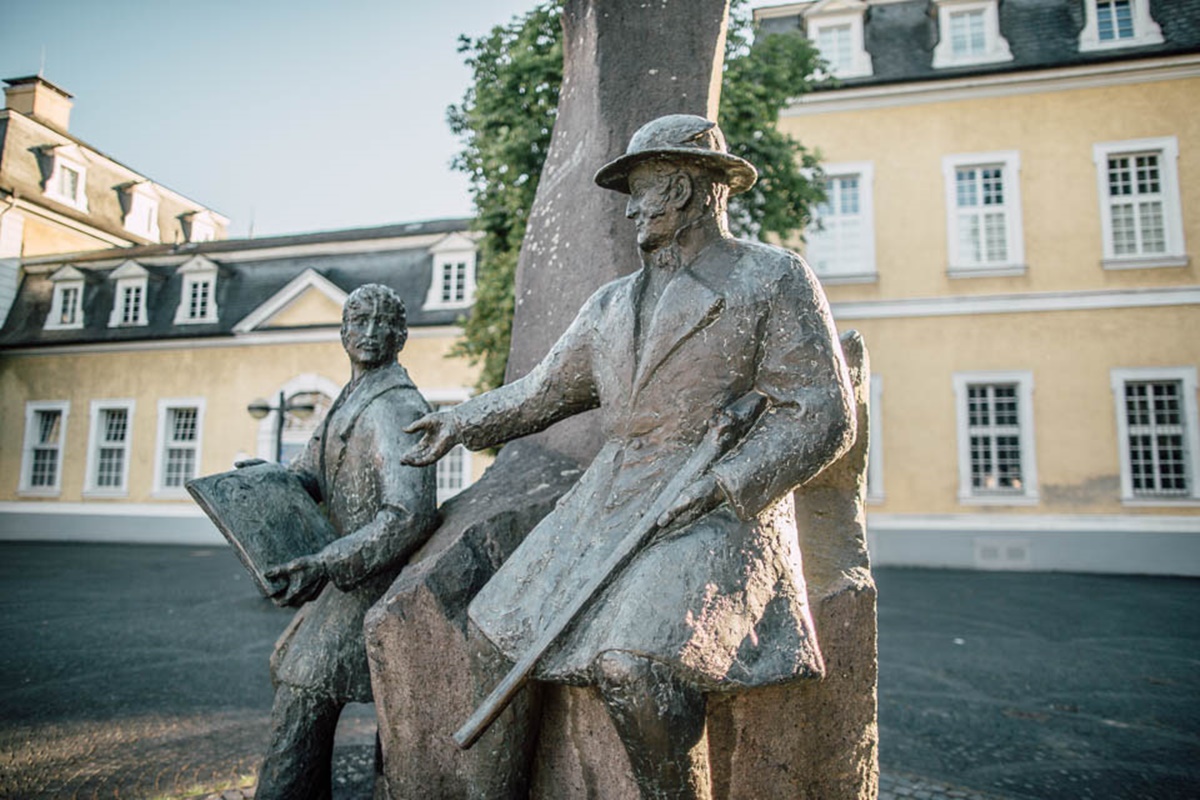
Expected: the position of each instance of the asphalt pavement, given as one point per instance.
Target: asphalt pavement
(141, 672)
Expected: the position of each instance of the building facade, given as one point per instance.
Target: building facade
(58, 194)
(126, 372)
(1013, 197)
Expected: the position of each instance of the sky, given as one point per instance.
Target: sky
(288, 115)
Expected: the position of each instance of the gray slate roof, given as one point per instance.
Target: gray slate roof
(244, 283)
(1042, 34)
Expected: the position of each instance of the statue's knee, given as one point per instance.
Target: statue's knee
(615, 668)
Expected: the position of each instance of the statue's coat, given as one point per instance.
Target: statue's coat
(380, 508)
(722, 599)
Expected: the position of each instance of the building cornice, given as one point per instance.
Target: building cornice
(36, 209)
(961, 305)
(308, 336)
(1003, 84)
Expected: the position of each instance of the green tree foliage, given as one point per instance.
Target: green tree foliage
(506, 118)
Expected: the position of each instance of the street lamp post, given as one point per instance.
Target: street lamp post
(260, 408)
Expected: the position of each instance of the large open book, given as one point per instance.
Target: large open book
(266, 515)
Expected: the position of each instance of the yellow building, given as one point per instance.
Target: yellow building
(126, 372)
(58, 194)
(1013, 189)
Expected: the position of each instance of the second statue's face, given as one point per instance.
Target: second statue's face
(651, 206)
(369, 335)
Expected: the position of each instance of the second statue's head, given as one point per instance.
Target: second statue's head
(374, 326)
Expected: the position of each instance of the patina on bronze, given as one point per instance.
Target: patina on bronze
(715, 599)
(383, 511)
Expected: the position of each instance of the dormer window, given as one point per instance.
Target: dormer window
(66, 304)
(198, 293)
(1112, 24)
(68, 179)
(969, 34)
(140, 201)
(129, 296)
(198, 226)
(837, 30)
(453, 280)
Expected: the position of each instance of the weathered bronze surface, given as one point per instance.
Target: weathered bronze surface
(716, 600)
(382, 510)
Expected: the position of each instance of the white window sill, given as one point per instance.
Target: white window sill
(60, 327)
(1146, 262)
(39, 492)
(1119, 44)
(78, 205)
(848, 277)
(127, 324)
(103, 494)
(950, 62)
(190, 321)
(448, 306)
(998, 500)
(986, 271)
(1161, 502)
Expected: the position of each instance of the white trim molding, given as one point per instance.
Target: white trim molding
(197, 292)
(990, 395)
(452, 283)
(1142, 29)
(1004, 84)
(50, 441)
(1017, 303)
(1158, 424)
(982, 190)
(129, 295)
(99, 439)
(67, 181)
(141, 203)
(1140, 177)
(984, 42)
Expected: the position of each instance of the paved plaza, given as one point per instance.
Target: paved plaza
(140, 672)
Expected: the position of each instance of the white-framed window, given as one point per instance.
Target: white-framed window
(198, 292)
(67, 182)
(1112, 24)
(180, 435)
(109, 439)
(129, 295)
(969, 34)
(454, 468)
(42, 456)
(141, 210)
(997, 463)
(66, 301)
(839, 38)
(1157, 434)
(841, 246)
(983, 200)
(1140, 213)
(875, 441)
(199, 226)
(452, 284)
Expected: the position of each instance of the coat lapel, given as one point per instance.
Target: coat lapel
(341, 421)
(686, 306)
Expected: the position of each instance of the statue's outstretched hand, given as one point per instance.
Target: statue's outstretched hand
(438, 435)
(306, 577)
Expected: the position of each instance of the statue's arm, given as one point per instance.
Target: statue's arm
(407, 514)
(809, 421)
(561, 385)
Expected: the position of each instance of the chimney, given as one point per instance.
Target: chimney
(37, 97)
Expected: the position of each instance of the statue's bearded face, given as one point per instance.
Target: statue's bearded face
(656, 200)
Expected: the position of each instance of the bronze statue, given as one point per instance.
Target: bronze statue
(721, 386)
(383, 511)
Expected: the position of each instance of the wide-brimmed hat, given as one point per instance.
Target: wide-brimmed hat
(679, 137)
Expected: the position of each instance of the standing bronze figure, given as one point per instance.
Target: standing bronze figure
(713, 597)
(383, 511)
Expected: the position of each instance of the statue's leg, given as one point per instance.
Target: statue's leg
(660, 720)
(298, 762)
